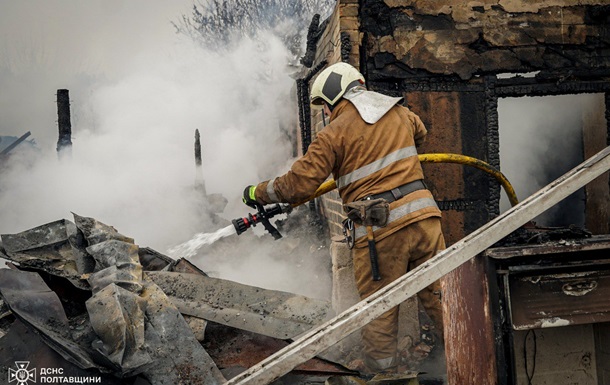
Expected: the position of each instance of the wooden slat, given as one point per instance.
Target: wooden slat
(332, 331)
(597, 242)
(11, 146)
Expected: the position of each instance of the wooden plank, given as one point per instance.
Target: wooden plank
(597, 242)
(332, 331)
(11, 146)
(540, 300)
(594, 138)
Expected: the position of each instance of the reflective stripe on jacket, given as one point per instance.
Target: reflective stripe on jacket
(364, 159)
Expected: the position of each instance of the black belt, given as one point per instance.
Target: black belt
(399, 192)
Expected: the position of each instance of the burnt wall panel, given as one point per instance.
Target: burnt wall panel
(456, 124)
(597, 192)
(492, 121)
(490, 37)
(441, 114)
(475, 144)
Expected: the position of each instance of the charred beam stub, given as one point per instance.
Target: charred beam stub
(305, 112)
(607, 102)
(63, 120)
(304, 118)
(313, 35)
(197, 148)
(315, 70)
(199, 182)
(346, 47)
(304, 108)
(493, 145)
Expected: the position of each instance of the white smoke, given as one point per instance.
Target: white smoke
(541, 138)
(138, 92)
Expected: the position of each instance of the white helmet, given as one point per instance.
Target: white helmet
(333, 82)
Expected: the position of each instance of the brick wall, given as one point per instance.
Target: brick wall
(334, 48)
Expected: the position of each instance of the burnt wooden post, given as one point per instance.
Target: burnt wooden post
(199, 183)
(64, 142)
(197, 149)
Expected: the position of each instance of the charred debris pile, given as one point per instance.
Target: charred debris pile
(82, 297)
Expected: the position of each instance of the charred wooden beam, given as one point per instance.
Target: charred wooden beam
(313, 35)
(199, 182)
(14, 144)
(63, 120)
(197, 149)
(493, 143)
(304, 105)
(305, 112)
(346, 47)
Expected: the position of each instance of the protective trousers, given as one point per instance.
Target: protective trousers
(398, 253)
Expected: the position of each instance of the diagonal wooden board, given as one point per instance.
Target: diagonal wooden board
(271, 313)
(352, 319)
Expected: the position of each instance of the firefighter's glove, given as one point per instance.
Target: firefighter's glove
(249, 197)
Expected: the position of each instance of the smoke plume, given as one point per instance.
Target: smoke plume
(541, 138)
(138, 91)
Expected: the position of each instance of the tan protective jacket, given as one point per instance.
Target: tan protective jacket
(364, 159)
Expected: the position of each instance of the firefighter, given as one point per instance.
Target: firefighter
(369, 147)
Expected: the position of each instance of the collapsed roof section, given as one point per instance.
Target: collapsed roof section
(104, 305)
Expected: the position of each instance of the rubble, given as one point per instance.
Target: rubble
(96, 304)
(50, 248)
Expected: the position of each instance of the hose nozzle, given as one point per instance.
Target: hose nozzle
(262, 216)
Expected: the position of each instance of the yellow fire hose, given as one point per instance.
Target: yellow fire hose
(330, 185)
